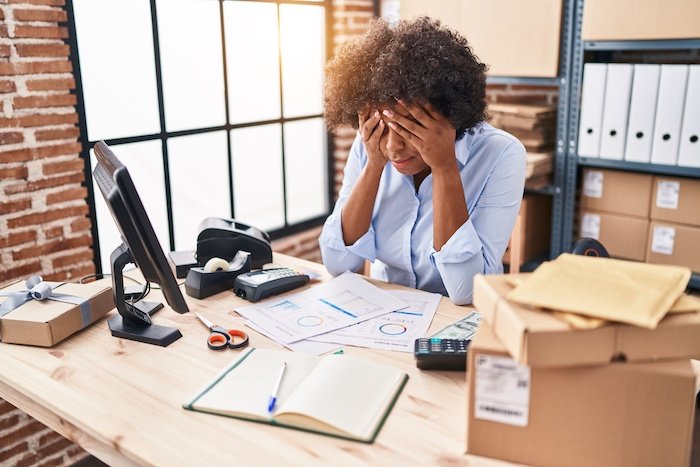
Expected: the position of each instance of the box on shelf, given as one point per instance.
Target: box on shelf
(616, 192)
(675, 244)
(535, 228)
(540, 339)
(45, 323)
(618, 414)
(676, 200)
(623, 236)
(621, 20)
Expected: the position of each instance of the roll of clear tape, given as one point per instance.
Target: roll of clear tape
(216, 264)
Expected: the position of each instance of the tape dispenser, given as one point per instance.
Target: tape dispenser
(216, 275)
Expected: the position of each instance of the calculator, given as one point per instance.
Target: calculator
(434, 353)
(256, 285)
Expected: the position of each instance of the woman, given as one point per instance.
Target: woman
(430, 190)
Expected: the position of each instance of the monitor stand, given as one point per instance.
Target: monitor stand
(134, 319)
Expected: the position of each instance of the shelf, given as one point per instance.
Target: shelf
(643, 45)
(694, 281)
(657, 169)
(523, 80)
(550, 190)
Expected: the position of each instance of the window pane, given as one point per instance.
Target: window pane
(306, 169)
(192, 63)
(145, 163)
(117, 67)
(303, 40)
(257, 176)
(199, 183)
(253, 61)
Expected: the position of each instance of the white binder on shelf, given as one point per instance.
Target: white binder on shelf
(592, 99)
(645, 91)
(669, 112)
(689, 152)
(615, 111)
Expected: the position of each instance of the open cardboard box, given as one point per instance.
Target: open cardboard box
(539, 339)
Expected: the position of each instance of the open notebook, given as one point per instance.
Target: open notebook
(337, 395)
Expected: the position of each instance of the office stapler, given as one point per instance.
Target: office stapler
(223, 238)
(216, 276)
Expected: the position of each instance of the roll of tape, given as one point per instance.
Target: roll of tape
(216, 264)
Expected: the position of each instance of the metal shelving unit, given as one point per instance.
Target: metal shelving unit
(573, 161)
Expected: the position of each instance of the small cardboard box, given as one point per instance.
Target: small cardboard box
(623, 236)
(676, 200)
(637, 414)
(616, 192)
(47, 322)
(536, 220)
(671, 243)
(540, 339)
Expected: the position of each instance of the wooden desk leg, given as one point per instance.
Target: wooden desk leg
(515, 245)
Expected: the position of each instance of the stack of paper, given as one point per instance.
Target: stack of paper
(589, 291)
(533, 125)
(346, 310)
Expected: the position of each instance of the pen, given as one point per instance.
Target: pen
(275, 391)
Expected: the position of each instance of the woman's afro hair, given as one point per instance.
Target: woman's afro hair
(415, 61)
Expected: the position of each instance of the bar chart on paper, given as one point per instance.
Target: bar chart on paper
(341, 302)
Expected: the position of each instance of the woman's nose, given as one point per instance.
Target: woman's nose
(394, 141)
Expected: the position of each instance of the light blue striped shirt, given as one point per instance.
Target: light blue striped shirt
(399, 242)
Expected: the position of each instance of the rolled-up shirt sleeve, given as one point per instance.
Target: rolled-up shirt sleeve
(479, 244)
(336, 256)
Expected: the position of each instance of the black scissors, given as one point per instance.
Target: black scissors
(221, 338)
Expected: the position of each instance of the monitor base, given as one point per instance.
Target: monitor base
(148, 307)
(150, 334)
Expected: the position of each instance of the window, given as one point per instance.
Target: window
(215, 106)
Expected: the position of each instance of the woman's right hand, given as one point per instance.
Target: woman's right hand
(371, 128)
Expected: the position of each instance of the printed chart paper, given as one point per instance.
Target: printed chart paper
(340, 302)
(393, 331)
(305, 346)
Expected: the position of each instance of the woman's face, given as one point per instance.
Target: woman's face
(403, 156)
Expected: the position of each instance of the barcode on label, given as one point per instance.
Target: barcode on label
(499, 410)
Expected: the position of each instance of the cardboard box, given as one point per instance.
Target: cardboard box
(674, 244)
(640, 19)
(623, 236)
(536, 222)
(47, 322)
(539, 339)
(514, 38)
(612, 415)
(616, 192)
(676, 200)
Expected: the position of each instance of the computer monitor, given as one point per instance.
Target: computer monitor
(140, 247)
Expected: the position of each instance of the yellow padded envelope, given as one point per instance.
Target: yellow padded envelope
(610, 289)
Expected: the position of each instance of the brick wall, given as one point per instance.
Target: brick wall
(43, 224)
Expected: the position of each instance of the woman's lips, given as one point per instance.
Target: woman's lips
(402, 163)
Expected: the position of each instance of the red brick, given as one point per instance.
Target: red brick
(55, 16)
(60, 276)
(38, 120)
(65, 133)
(80, 225)
(33, 427)
(45, 183)
(14, 172)
(54, 246)
(11, 137)
(522, 98)
(7, 422)
(6, 407)
(41, 152)
(82, 271)
(42, 50)
(39, 2)
(58, 84)
(73, 258)
(49, 437)
(29, 68)
(4, 48)
(32, 102)
(66, 195)
(45, 217)
(7, 86)
(13, 451)
(53, 232)
(74, 165)
(28, 459)
(16, 239)
(3, 31)
(55, 461)
(2, 15)
(10, 207)
(41, 32)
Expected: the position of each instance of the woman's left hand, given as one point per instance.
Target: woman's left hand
(430, 132)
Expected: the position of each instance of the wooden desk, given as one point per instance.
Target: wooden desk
(121, 400)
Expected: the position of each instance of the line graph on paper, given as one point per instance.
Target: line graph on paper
(350, 303)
